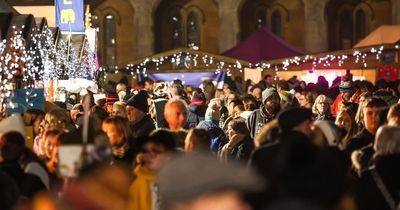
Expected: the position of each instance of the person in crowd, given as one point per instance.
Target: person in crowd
(8, 192)
(249, 103)
(393, 116)
(175, 114)
(32, 119)
(52, 140)
(197, 140)
(155, 151)
(296, 119)
(210, 124)
(235, 108)
(268, 134)
(371, 121)
(160, 98)
(322, 108)
(345, 120)
(176, 91)
(120, 137)
(209, 90)
(364, 140)
(267, 111)
(120, 89)
(12, 146)
(326, 134)
(347, 90)
(378, 186)
(56, 119)
(99, 112)
(111, 98)
(196, 109)
(76, 112)
(359, 118)
(256, 92)
(239, 145)
(141, 124)
(216, 186)
(287, 99)
(118, 109)
(305, 99)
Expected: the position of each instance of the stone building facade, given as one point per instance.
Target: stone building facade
(132, 29)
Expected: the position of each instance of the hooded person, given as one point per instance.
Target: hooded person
(196, 109)
(267, 111)
(210, 124)
(137, 109)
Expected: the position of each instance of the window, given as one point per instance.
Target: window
(193, 31)
(109, 40)
(177, 36)
(261, 19)
(346, 30)
(360, 25)
(276, 23)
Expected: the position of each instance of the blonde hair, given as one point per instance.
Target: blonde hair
(324, 99)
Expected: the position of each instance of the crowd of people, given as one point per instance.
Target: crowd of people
(274, 144)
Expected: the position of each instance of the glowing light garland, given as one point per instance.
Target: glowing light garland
(42, 61)
(189, 60)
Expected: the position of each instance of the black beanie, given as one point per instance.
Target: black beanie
(292, 117)
(139, 101)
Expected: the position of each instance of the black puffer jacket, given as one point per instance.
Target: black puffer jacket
(195, 115)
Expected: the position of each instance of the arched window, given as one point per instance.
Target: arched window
(193, 32)
(261, 18)
(177, 31)
(361, 29)
(109, 40)
(276, 23)
(346, 29)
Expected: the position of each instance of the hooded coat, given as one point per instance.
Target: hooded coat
(196, 114)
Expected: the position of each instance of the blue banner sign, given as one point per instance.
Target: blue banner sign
(70, 15)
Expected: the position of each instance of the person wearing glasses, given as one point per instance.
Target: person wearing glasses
(155, 151)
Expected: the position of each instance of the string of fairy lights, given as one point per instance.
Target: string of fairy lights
(191, 60)
(23, 66)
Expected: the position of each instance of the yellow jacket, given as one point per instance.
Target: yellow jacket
(140, 195)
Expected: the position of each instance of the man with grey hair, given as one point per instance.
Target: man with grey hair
(269, 108)
(175, 114)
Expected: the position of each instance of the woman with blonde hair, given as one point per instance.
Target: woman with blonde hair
(322, 108)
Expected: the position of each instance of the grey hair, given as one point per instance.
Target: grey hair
(387, 141)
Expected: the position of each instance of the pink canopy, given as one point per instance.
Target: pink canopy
(262, 45)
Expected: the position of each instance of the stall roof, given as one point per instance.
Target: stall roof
(262, 45)
(387, 34)
(186, 51)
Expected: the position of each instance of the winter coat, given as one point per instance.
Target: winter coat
(256, 121)
(328, 117)
(143, 127)
(368, 195)
(140, 192)
(239, 150)
(218, 137)
(362, 139)
(196, 114)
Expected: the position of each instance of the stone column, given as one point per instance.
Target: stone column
(315, 26)
(228, 23)
(143, 28)
(396, 12)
